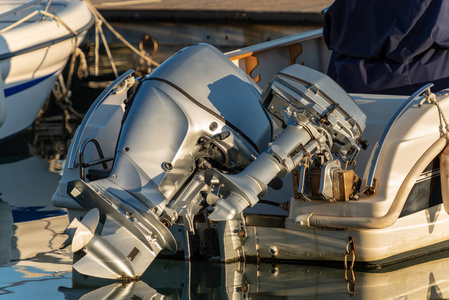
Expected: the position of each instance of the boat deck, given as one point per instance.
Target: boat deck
(285, 11)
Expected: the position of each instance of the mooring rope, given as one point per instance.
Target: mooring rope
(99, 17)
(431, 98)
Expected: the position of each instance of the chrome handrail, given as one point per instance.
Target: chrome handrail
(397, 114)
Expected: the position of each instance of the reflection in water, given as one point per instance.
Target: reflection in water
(31, 264)
(172, 279)
(5, 232)
(133, 290)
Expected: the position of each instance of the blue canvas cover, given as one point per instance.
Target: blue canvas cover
(388, 46)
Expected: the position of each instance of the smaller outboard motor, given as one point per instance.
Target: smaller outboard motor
(322, 132)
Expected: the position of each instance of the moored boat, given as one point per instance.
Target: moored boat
(37, 39)
(172, 161)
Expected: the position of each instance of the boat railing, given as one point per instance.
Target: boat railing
(306, 48)
(274, 44)
(410, 101)
(24, 6)
(43, 13)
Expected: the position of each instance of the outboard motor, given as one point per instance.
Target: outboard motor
(195, 112)
(321, 136)
(195, 134)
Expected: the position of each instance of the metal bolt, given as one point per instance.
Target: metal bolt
(166, 223)
(213, 126)
(167, 166)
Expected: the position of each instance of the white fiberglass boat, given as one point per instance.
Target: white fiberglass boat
(189, 158)
(36, 40)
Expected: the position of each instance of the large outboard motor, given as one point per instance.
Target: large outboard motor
(195, 112)
(195, 134)
(172, 116)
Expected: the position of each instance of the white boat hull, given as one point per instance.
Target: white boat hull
(30, 65)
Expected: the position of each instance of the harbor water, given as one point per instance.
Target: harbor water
(32, 266)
